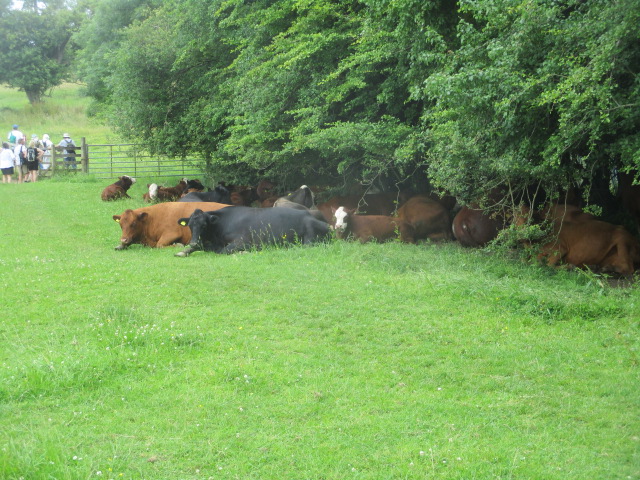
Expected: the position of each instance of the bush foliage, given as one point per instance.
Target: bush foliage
(474, 94)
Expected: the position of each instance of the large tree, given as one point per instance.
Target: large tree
(36, 49)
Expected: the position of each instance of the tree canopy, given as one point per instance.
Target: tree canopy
(464, 94)
(36, 45)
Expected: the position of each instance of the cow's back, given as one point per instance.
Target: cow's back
(251, 226)
(474, 228)
(596, 243)
(428, 217)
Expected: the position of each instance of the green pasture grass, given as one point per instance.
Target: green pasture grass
(63, 110)
(337, 361)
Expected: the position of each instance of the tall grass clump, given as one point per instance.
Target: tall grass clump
(333, 361)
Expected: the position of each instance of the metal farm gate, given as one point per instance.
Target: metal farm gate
(107, 161)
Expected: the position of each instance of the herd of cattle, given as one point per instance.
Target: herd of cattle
(228, 219)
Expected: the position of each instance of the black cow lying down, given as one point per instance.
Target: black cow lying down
(238, 228)
(220, 194)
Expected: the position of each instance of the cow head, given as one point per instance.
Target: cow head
(194, 185)
(202, 226)
(153, 191)
(127, 181)
(341, 216)
(132, 225)
(303, 196)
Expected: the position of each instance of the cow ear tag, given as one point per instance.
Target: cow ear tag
(118, 220)
(183, 223)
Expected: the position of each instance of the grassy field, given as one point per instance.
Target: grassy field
(63, 111)
(339, 361)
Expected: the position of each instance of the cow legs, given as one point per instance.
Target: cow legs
(618, 259)
(233, 247)
(553, 252)
(186, 252)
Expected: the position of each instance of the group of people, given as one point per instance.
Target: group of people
(26, 159)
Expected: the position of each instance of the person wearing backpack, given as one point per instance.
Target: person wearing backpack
(69, 149)
(34, 155)
(14, 136)
(20, 153)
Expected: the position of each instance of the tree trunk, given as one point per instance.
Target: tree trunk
(34, 96)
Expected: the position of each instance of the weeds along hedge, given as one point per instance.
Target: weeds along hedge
(334, 361)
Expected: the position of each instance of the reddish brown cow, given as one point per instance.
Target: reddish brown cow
(429, 218)
(474, 228)
(371, 227)
(370, 204)
(265, 189)
(565, 213)
(157, 225)
(170, 194)
(242, 195)
(593, 243)
(118, 189)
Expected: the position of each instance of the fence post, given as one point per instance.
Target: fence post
(84, 155)
(54, 155)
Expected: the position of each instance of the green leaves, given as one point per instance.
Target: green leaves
(486, 92)
(533, 88)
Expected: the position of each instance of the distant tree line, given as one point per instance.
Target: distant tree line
(467, 95)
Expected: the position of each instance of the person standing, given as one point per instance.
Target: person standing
(14, 136)
(69, 148)
(20, 153)
(6, 162)
(47, 145)
(34, 156)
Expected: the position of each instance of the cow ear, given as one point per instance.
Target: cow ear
(183, 221)
(116, 218)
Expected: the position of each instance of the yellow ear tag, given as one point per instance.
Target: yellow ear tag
(118, 220)
(183, 223)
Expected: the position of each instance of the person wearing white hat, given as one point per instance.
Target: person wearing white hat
(69, 148)
(46, 158)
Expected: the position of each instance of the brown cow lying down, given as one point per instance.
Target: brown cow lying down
(561, 212)
(593, 243)
(165, 194)
(371, 204)
(429, 218)
(157, 225)
(474, 228)
(371, 227)
(118, 189)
